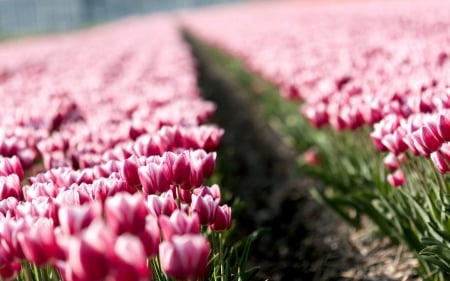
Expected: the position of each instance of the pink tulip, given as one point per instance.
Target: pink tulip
(443, 127)
(39, 243)
(213, 191)
(150, 237)
(155, 178)
(9, 166)
(73, 219)
(396, 178)
(8, 206)
(205, 207)
(391, 162)
(185, 257)
(181, 168)
(129, 171)
(10, 271)
(130, 259)
(440, 162)
(90, 255)
(179, 223)
(10, 187)
(126, 213)
(222, 221)
(163, 204)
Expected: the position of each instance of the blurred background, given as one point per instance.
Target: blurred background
(22, 17)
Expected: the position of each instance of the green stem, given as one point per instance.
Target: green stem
(36, 271)
(177, 187)
(222, 270)
(27, 271)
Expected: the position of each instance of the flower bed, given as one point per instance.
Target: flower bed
(104, 156)
(375, 78)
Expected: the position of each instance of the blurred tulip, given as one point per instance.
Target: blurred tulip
(185, 257)
(10, 187)
(178, 223)
(397, 178)
(126, 213)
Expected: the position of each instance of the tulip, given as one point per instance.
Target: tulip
(130, 259)
(150, 237)
(73, 219)
(10, 187)
(397, 178)
(185, 257)
(443, 127)
(9, 166)
(155, 178)
(179, 223)
(164, 204)
(440, 162)
(391, 162)
(90, 254)
(205, 207)
(213, 191)
(181, 168)
(126, 213)
(10, 271)
(222, 221)
(129, 171)
(39, 243)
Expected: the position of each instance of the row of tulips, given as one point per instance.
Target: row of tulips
(104, 153)
(374, 78)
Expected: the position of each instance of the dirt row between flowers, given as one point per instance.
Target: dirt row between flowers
(304, 240)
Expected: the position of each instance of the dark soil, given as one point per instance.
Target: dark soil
(305, 240)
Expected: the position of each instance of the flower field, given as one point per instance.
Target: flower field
(105, 154)
(111, 167)
(372, 79)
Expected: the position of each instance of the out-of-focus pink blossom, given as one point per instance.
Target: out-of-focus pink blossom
(179, 223)
(10, 271)
(126, 213)
(163, 204)
(185, 257)
(39, 243)
(397, 178)
(10, 187)
(9, 166)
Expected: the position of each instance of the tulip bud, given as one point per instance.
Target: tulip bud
(129, 171)
(181, 169)
(223, 219)
(208, 164)
(185, 257)
(396, 178)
